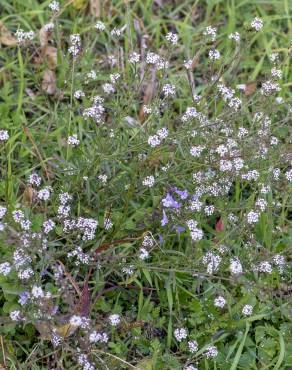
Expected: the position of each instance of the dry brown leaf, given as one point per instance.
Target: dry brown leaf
(94, 6)
(45, 330)
(44, 36)
(50, 53)
(148, 95)
(29, 195)
(49, 82)
(6, 37)
(250, 88)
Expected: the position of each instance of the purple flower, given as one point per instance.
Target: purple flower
(164, 220)
(161, 240)
(180, 229)
(182, 193)
(170, 202)
(23, 298)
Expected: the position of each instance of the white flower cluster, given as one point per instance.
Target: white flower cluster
(100, 26)
(149, 181)
(54, 6)
(210, 32)
(155, 140)
(114, 319)
(156, 60)
(34, 179)
(180, 334)
(96, 337)
(24, 36)
(4, 136)
(75, 45)
(212, 261)
(219, 302)
(73, 140)
(134, 58)
(269, 88)
(96, 111)
(168, 90)
(257, 24)
(228, 96)
(172, 38)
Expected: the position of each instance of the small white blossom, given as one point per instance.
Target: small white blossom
(78, 94)
(211, 352)
(4, 136)
(73, 140)
(3, 211)
(34, 179)
(193, 346)
(257, 24)
(211, 32)
(172, 38)
(54, 6)
(143, 254)
(219, 302)
(235, 266)
(5, 268)
(134, 58)
(148, 181)
(180, 334)
(100, 26)
(234, 36)
(37, 292)
(247, 310)
(114, 319)
(214, 54)
(15, 315)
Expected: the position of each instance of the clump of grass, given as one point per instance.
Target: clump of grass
(144, 201)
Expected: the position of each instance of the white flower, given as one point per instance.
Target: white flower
(95, 337)
(288, 175)
(108, 88)
(214, 54)
(24, 36)
(45, 193)
(3, 211)
(148, 181)
(5, 268)
(134, 58)
(210, 31)
(235, 266)
(234, 36)
(180, 334)
(37, 292)
(72, 140)
(257, 24)
(48, 226)
(168, 90)
(4, 136)
(79, 94)
(144, 254)
(100, 26)
(193, 346)
(15, 315)
(253, 217)
(247, 310)
(34, 179)
(172, 38)
(114, 319)
(54, 6)
(219, 302)
(211, 352)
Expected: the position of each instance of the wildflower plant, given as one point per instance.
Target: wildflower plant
(156, 226)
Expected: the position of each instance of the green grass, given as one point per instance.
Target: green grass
(173, 289)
